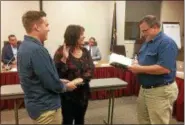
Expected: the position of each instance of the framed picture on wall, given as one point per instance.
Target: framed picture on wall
(132, 31)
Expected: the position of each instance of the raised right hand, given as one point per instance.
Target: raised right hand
(65, 51)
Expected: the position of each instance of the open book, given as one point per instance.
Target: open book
(120, 60)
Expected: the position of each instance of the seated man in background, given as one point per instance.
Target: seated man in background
(9, 52)
(93, 48)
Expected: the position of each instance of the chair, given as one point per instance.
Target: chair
(7, 42)
(137, 45)
(119, 49)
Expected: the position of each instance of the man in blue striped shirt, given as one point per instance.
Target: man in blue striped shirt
(38, 76)
(156, 70)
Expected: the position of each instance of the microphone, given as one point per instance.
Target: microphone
(7, 67)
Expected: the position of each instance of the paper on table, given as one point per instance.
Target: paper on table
(95, 62)
(120, 59)
(14, 70)
(180, 74)
(105, 64)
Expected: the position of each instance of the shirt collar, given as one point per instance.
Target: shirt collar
(13, 47)
(30, 38)
(157, 36)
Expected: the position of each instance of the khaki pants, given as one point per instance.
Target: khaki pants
(50, 117)
(154, 106)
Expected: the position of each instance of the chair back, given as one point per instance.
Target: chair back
(119, 49)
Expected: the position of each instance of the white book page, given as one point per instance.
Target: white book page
(116, 58)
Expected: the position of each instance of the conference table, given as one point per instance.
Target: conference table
(110, 84)
(15, 92)
(103, 70)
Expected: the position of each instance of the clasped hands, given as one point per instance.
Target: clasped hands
(65, 53)
(71, 85)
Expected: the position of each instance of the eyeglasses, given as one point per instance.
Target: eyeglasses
(145, 30)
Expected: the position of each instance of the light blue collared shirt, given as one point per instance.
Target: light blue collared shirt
(162, 50)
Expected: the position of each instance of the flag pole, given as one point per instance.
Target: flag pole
(114, 30)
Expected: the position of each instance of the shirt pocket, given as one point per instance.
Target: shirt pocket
(151, 53)
(151, 58)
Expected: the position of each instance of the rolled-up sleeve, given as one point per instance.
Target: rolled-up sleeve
(167, 55)
(45, 70)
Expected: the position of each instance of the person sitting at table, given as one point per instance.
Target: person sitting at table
(73, 61)
(93, 48)
(9, 51)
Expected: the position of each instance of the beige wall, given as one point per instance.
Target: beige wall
(11, 13)
(173, 11)
(143, 8)
(95, 16)
(170, 11)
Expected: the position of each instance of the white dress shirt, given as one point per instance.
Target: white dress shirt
(14, 50)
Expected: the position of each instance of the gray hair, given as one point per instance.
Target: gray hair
(151, 20)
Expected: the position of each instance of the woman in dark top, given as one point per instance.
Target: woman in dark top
(73, 61)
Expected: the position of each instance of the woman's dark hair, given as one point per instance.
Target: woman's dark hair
(58, 54)
(72, 34)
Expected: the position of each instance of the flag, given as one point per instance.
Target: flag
(114, 30)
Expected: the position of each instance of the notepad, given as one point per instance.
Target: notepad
(14, 70)
(95, 62)
(105, 65)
